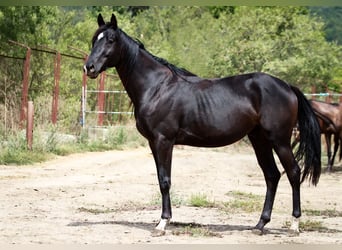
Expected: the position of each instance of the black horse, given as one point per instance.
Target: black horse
(173, 106)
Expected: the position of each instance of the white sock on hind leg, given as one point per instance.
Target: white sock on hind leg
(162, 224)
(295, 225)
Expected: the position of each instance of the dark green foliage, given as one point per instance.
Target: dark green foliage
(332, 17)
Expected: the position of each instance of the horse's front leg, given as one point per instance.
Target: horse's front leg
(162, 153)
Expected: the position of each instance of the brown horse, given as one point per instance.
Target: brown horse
(329, 117)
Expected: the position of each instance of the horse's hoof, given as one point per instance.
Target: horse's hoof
(257, 231)
(158, 233)
(292, 233)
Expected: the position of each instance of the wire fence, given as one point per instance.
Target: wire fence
(325, 97)
(105, 103)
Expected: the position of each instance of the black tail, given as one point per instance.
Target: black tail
(310, 139)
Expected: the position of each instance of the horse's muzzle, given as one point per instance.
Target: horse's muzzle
(90, 71)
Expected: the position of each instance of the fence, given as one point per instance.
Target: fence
(39, 73)
(9, 94)
(90, 103)
(326, 97)
(105, 103)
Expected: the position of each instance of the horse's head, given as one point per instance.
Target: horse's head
(104, 48)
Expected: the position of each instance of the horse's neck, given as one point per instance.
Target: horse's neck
(144, 75)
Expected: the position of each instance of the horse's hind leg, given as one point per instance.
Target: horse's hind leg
(327, 137)
(263, 151)
(336, 144)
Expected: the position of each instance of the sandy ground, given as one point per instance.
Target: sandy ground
(112, 197)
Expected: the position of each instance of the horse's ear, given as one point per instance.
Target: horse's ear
(113, 22)
(100, 20)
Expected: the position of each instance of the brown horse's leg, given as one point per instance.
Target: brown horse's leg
(162, 153)
(327, 137)
(263, 151)
(292, 169)
(336, 144)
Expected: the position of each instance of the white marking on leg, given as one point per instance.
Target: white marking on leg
(100, 36)
(162, 224)
(295, 225)
(85, 69)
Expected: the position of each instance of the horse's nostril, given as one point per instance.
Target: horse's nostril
(92, 68)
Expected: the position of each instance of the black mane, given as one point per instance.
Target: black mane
(172, 67)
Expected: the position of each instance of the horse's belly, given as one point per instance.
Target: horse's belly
(210, 138)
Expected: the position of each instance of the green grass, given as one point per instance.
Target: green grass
(96, 210)
(312, 225)
(194, 230)
(200, 200)
(22, 157)
(239, 201)
(326, 212)
(243, 202)
(47, 145)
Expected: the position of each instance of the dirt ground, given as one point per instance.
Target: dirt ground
(112, 197)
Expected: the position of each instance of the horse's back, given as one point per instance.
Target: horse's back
(265, 91)
(332, 111)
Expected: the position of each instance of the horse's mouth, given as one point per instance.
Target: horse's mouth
(93, 75)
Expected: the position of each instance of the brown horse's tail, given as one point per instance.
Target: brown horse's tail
(309, 149)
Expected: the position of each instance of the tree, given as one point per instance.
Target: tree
(26, 24)
(213, 42)
(332, 18)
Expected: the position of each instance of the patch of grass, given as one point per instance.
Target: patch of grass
(194, 230)
(14, 151)
(22, 157)
(326, 212)
(243, 202)
(96, 210)
(312, 225)
(200, 200)
(116, 137)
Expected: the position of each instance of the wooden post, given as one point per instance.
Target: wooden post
(328, 98)
(29, 124)
(24, 94)
(313, 91)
